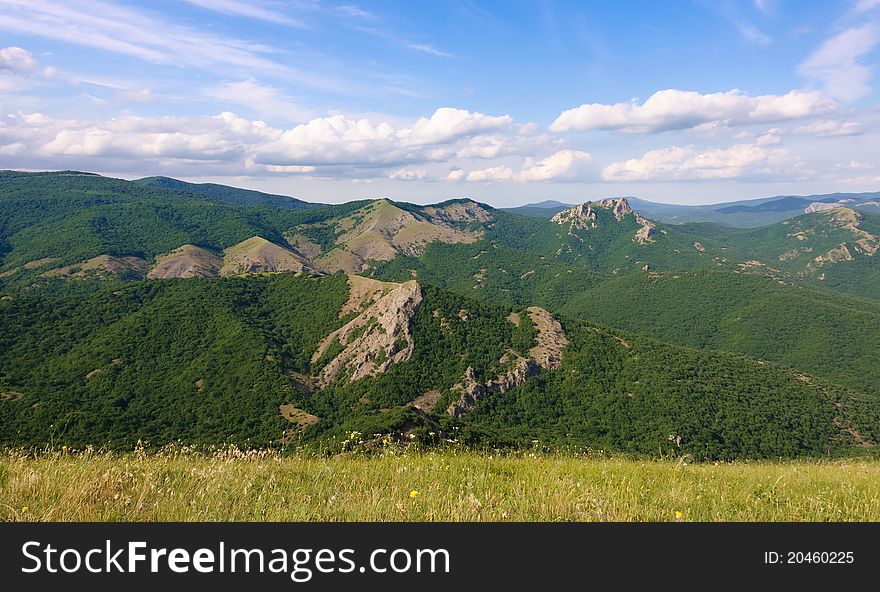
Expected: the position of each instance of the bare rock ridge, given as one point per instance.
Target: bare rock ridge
(819, 206)
(550, 338)
(583, 217)
(373, 341)
(550, 341)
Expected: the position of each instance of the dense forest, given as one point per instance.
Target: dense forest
(681, 340)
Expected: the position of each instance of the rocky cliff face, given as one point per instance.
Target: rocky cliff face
(376, 339)
(550, 341)
(584, 217)
(818, 206)
(646, 231)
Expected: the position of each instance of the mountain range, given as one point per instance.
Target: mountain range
(749, 213)
(160, 310)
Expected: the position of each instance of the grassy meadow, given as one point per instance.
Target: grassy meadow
(226, 485)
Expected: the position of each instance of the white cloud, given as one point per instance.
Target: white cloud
(483, 147)
(490, 174)
(456, 174)
(828, 128)
(249, 9)
(343, 141)
(866, 5)
(259, 98)
(336, 146)
(561, 165)
(144, 35)
(770, 137)
(556, 166)
(836, 63)
(408, 174)
(673, 109)
(447, 124)
(687, 163)
(17, 60)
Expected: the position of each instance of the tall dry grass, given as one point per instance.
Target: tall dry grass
(179, 484)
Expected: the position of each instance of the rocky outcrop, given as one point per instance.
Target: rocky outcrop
(819, 206)
(186, 261)
(362, 292)
(550, 341)
(470, 391)
(584, 217)
(646, 231)
(849, 219)
(580, 217)
(373, 341)
(835, 255)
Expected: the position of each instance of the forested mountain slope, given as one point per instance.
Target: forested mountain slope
(244, 360)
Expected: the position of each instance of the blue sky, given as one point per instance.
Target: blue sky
(508, 102)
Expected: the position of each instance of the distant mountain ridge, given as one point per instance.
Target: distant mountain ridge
(228, 194)
(751, 213)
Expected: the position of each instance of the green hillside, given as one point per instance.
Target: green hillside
(230, 195)
(212, 361)
(726, 342)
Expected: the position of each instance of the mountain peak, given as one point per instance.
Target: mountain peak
(584, 216)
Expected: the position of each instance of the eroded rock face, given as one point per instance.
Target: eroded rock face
(472, 391)
(835, 255)
(583, 217)
(849, 219)
(376, 339)
(579, 217)
(818, 206)
(550, 338)
(550, 341)
(645, 234)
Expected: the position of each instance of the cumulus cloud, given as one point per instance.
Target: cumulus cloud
(673, 109)
(688, 163)
(408, 174)
(456, 174)
(340, 140)
(448, 124)
(836, 63)
(17, 60)
(561, 165)
(829, 128)
(333, 146)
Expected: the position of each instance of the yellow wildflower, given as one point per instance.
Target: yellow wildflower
(414, 494)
